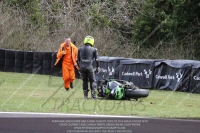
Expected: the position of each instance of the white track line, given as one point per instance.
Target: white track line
(24, 114)
(62, 115)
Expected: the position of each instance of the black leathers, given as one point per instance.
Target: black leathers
(87, 56)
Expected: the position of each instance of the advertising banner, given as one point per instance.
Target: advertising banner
(195, 77)
(138, 71)
(108, 67)
(172, 75)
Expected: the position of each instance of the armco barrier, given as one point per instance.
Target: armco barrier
(176, 75)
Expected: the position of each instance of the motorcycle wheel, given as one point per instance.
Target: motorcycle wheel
(136, 93)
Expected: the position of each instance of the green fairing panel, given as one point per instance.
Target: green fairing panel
(107, 91)
(119, 93)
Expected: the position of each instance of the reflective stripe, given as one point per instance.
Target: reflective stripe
(85, 60)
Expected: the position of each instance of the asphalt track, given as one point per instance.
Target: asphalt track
(26, 122)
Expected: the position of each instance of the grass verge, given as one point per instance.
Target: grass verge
(41, 93)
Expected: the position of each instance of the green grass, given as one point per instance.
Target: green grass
(40, 93)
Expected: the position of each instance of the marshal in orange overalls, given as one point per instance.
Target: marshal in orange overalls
(68, 62)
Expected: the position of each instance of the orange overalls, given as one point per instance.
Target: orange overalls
(68, 63)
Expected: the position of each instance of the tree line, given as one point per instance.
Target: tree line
(129, 28)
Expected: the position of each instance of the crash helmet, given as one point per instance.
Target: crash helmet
(89, 40)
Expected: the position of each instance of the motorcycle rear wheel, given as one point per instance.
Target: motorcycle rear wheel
(136, 93)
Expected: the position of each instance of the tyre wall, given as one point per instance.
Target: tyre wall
(28, 62)
(47, 58)
(37, 63)
(2, 59)
(9, 61)
(174, 75)
(19, 61)
(56, 70)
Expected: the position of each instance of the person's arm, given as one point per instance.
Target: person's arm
(75, 55)
(76, 52)
(78, 58)
(96, 60)
(59, 55)
(61, 52)
(96, 57)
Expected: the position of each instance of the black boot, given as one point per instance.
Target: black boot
(71, 85)
(93, 94)
(85, 94)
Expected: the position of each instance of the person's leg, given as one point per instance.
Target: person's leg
(85, 83)
(71, 77)
(65, 74)
(93, 84)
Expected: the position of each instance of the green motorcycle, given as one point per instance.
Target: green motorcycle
(119, 89)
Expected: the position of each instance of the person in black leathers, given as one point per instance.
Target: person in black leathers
(87, 54)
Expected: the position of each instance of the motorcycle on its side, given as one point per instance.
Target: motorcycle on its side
(119, 89)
